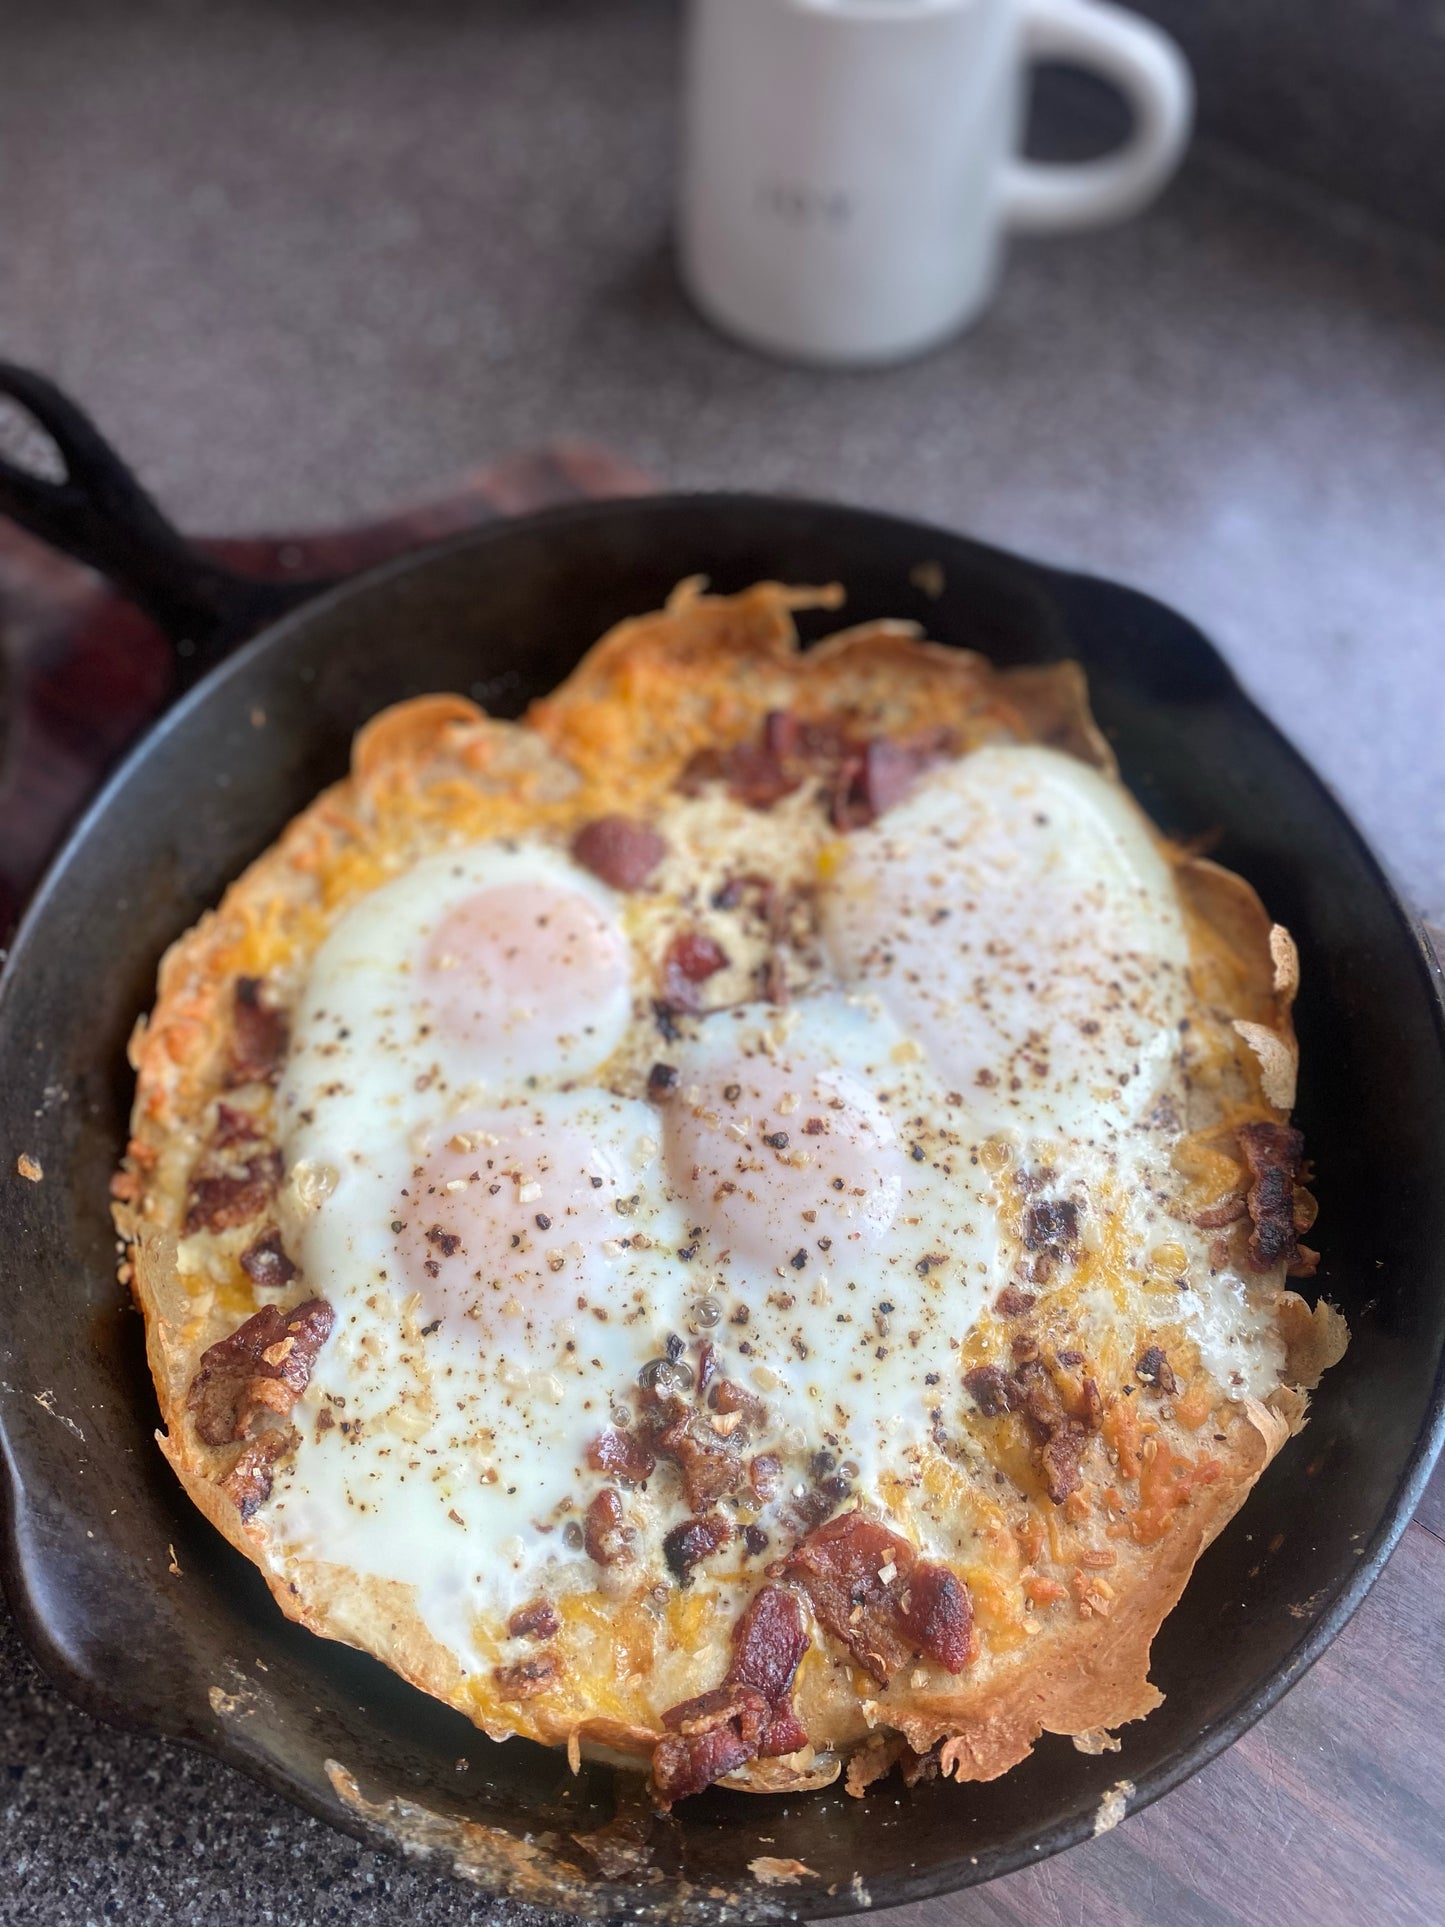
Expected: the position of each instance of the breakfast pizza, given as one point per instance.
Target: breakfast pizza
(738, 1224)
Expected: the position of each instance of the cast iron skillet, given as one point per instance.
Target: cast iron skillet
(95, 1523)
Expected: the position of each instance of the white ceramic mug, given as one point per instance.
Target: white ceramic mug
(851, 167)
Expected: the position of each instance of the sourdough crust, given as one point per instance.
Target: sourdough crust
(702, 671)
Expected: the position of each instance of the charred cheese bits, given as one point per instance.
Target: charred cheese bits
(741, 1222)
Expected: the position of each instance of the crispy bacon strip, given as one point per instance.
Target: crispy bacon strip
(870, 1589)
(769, 1641)
(1274, 1154)
(750, 1716)
(264, 1366)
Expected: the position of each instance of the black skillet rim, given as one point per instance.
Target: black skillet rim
(91, 1695)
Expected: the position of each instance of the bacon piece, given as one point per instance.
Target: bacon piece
(1051, 1225)
(258, 1037)
(711, 1469)
(694, 1539)
(692, 957)
(750, 1716)
(1061, 1437)
(732, 1702)
(1060, 1430)
(839, 1567)
(1274, 1154)
(606, 1536)
(937, 1615)
(264, 1366)
(1013, 1302)
(247, 1482)
(233, 1126)
(620, 850)
(992, 1389)
(875, 775)
(1154, 1369)
(684, 1765)
(265, 1263)
(528, 1677)
(728, 1396)
(765, 1475)
(538, 1620)
(769, 1641)
(219, 1200)
(754, 773)
(621, 1455)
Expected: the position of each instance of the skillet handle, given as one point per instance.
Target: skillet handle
(97, 513)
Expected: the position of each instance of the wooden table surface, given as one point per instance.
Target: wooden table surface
(1329, 1813)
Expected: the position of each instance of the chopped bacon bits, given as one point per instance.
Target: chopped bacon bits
(992, 1389)
(730, 1701)
(1154, 1369)
(247, 1482)
(692, 957)
(1051, 1225)
(538, 1620)
(258, 1036)
(711, 1467)
(693, 1540)
(621, 1455)
(1275, 1155)
(1013, 1302)
(873, 776)
(265, 1263)
(620, 850)
(233, 1126)
(765, 1475)
(528, 1677)
(1060, 1429)
(605, 1534)
(859, 779)
(264, 1366)
(220, 1200)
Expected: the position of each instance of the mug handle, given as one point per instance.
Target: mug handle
(1141, 60)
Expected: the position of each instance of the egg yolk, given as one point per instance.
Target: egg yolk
(514, 972)
(502, 1228)
(770, 1155)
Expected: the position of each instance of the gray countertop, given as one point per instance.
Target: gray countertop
(305, 262)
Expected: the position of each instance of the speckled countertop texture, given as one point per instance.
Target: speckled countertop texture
(306, 260)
